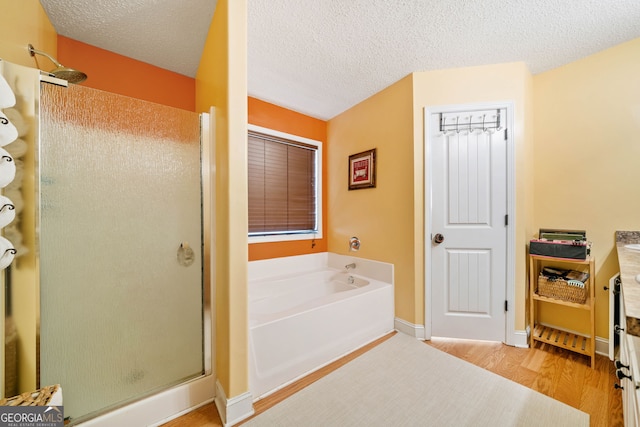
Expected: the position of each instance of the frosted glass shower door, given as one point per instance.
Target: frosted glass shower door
(120, 191)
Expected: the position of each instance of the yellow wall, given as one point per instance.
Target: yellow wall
(381, 217)
(389, 219)
(587, 154)
(587, 111)
(221, 82)
(482, 84)
(23, 22)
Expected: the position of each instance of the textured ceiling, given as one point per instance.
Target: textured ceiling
(321, 57)
(169, 34)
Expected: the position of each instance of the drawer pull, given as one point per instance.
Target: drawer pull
(620, 365)
(621, 375)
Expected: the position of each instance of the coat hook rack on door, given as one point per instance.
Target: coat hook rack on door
(484, 124)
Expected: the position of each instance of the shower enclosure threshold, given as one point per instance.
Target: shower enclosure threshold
(160, 408)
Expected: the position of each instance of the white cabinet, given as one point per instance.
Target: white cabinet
(627, 369)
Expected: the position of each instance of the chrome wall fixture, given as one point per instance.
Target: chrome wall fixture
(354, 244)
(61, 72)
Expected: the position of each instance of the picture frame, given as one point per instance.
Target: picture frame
(362, 170)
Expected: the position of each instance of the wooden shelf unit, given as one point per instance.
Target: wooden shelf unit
(555, 335)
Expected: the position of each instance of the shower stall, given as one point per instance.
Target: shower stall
(105, 295)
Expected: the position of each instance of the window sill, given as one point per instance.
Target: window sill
(284, 238)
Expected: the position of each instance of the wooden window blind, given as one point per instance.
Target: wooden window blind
(282, 186)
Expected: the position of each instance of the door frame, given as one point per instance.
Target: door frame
(511, 209)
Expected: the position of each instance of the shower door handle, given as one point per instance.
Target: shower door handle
(438, 238)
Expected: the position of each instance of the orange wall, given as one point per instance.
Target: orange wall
(115, 73)
(277, 118)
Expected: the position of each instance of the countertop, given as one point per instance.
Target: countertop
(629, 261)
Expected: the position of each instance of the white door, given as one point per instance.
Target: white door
(468, 225)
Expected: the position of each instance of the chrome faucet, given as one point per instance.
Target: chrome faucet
(350, 266)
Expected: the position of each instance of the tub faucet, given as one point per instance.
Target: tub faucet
(350, 266)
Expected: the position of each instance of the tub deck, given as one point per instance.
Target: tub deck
(301, 323)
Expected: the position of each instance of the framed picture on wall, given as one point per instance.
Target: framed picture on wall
(362, 170)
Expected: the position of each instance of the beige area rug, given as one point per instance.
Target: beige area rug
(404, 382)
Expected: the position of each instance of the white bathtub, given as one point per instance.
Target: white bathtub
(304, 319)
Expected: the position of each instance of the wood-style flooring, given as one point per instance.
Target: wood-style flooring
(563, 375)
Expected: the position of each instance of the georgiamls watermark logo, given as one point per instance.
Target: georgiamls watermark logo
(31, 416)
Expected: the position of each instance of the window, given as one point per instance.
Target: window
(285, 179)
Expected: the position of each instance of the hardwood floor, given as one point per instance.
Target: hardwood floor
(563, 375)
(207, 416)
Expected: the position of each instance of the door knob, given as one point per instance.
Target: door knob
(438, 238)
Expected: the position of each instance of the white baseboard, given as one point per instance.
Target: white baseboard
(520, 339)
(233, 410)
(158, 409)
(602, 346)
(416, 331)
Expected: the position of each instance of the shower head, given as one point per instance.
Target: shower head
(61, 72)
(69, 74)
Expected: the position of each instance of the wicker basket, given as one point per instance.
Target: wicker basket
(559, 289)
(40, 397)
